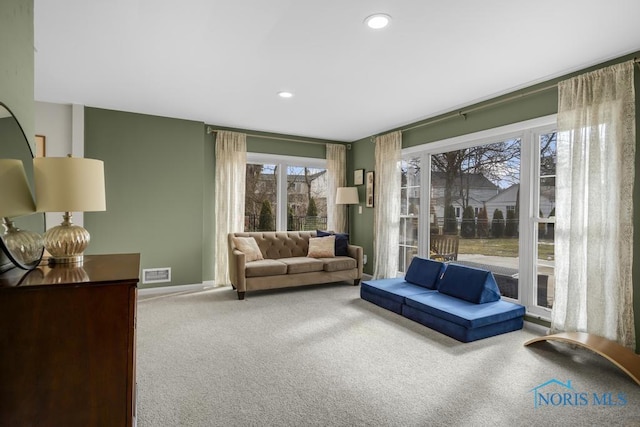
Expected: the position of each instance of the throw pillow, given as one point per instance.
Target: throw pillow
(470, 284)
(249, 247)
(322, 247)
(342, 241)
(425, 272)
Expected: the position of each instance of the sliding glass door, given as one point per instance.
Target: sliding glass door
(475, 199)
(486, 200)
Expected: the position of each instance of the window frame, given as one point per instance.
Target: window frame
(534, 219)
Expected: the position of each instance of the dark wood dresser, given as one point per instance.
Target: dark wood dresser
(68, 344)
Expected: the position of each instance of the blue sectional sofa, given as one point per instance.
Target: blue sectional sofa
(459, 301)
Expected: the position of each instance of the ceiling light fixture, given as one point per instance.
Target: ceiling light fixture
(285, 94)
(377, 21)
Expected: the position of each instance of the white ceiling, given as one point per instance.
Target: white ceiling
(223, 61)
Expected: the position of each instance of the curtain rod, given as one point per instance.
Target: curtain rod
(211, 130)
(463, 112)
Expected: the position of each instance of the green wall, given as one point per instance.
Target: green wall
(283, 145)
(154, 177)
(159, 175)
(361, 156)
(16, 67)
(521, 108)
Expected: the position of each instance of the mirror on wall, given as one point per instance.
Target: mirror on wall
(20, 235)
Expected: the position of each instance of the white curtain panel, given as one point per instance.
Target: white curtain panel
(386, 222)
(336, 177)
(231, 164)
(594, 229)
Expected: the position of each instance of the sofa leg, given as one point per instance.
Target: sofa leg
(356, 282)
(240, 295)
(233, 286)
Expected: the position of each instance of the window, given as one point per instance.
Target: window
(261, 199)
(285, 193)
(545, 219)
(482, 178)
(495, 191)
(306, 198)
(409, 211)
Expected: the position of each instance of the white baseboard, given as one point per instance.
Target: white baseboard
(158, 290)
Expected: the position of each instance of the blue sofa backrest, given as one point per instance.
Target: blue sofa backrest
(470, 284)
(424, 272)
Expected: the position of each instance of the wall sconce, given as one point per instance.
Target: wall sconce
(16, 200)
(68, 184)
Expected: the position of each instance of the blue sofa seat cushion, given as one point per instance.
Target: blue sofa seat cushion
(466, 314)
(395, 289)
(470, 284)
(425, 272)
(458, 332)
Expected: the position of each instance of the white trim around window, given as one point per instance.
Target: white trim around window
(481, 137)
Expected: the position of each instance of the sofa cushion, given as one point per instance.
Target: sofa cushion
(339, 263)
(281, 244)
(460, 332)
(395, 289)
(464, 313)
(322, 247)
(302, 264)
(342, 241)
(380, 301)
(470, 284)
(249, 247)
(424, 272)
(264, 267)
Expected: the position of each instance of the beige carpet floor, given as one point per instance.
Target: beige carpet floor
(321, 356)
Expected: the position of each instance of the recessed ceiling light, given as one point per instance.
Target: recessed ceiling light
(377, 21)
(285, 94)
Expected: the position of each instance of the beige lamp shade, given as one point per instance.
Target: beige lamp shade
(15, 195)
(69, 184)
(347, 196)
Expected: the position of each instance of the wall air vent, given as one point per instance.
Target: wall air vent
(156, 275)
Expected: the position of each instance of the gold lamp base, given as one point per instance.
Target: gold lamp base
(66, 242)
(24, 245)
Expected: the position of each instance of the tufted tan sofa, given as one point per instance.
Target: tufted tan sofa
(286, 263)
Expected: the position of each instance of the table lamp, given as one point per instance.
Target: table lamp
(68, 184)
(347, 196)
(16, 200)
